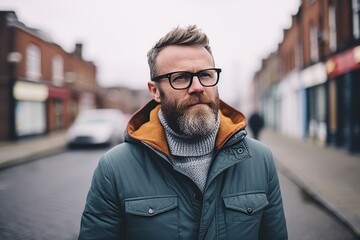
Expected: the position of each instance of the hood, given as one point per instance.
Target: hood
(145, 126)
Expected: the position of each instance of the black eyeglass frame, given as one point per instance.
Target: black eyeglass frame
(197, 74)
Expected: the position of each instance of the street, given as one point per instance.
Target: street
(44, 199)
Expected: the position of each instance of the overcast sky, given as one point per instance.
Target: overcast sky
(117, 34)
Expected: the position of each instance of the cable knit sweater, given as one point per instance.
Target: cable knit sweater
(191, 156)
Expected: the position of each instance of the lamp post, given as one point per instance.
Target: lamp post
(13, 59)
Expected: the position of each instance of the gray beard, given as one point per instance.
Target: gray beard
(191, 122)
(199, 124)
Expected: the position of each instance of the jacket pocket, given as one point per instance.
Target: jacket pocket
(243, 213)
(152, 217)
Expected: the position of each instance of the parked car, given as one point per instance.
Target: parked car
(97, 127)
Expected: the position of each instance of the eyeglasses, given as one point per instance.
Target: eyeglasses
(182, 79)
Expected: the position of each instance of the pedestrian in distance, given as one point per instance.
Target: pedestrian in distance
(186, 170)
(256, 124)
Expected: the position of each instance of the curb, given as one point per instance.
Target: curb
(31, 157)
(316, 196)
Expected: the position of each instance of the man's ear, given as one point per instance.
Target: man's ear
(154, 91)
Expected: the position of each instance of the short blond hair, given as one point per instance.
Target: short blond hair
(187, 36)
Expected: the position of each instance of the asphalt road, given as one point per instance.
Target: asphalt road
(44, 199)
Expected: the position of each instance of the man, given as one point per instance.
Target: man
(256, 124)
(186, 169)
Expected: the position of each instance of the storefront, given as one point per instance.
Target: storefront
(291, 99)
(271, 108)
(343, 71)
(58, 108)
(30, 108)
(313, 79)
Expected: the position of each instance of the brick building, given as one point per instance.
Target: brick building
(318, 93)
(42, 87)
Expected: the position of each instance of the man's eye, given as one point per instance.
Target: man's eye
(180, 77)
(205, 75)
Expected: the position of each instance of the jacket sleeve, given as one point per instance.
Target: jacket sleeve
(102, 218)
(273, 225)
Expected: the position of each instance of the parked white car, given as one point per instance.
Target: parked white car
(97, 127)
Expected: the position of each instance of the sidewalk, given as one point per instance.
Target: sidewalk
(12, 153)
(330, 175)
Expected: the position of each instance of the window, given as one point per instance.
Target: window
(33, 62)
(57, 70)
(314, 49)
(26, 110)
(332, 28)
(356, 18)
(298, 55)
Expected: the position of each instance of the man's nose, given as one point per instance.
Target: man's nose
(196, 85)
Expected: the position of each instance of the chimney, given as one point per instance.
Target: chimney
(78, 50)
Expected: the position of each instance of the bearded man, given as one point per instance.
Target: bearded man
(186, 170)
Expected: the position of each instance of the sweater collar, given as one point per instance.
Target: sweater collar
(185, 146)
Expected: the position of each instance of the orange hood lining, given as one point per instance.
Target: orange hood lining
(147, 128)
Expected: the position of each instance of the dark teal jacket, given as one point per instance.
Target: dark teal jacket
(137, 194)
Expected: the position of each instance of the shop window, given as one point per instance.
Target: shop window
(317, 113)
(356, 18)
(332, 28)
(57, 70)
(314, 48)
(33, 62)
(298, 58)
(30, 118)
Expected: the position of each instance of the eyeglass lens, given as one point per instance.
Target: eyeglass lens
(207, 77)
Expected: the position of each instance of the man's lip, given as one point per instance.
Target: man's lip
(194, 104)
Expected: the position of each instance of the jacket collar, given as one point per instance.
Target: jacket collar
(145, 126)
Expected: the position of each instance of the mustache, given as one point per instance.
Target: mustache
(198, 99)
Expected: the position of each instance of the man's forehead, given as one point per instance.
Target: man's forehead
(180, 49)
(179, 53)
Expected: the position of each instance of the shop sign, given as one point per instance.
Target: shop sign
(30, 91)
(62, 93)
(314, 75)
(344, 62)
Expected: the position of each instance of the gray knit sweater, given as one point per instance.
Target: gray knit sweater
(191, 156)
